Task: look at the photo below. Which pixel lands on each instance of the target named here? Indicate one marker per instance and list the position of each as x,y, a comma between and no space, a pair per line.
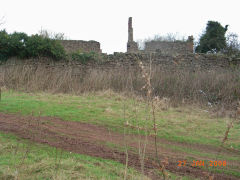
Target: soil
99,141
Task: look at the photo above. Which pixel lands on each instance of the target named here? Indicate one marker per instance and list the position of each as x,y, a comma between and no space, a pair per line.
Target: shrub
16,44
23,46
38,46
4,47
84,57
12,44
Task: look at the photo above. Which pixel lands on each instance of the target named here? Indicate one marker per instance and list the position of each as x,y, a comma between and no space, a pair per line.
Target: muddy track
91,140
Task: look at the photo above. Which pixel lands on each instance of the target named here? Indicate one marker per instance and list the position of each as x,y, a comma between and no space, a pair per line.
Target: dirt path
92,140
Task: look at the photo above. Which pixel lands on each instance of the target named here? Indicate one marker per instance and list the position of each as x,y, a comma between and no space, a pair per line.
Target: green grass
44,162
185,124
176,177
190,125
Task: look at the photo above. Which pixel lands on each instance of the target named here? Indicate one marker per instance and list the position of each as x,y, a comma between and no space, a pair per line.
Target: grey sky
106,20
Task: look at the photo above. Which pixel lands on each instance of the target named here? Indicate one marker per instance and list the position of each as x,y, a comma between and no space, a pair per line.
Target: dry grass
209,87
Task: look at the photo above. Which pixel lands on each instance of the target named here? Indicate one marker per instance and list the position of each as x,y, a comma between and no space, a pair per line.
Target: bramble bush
24,46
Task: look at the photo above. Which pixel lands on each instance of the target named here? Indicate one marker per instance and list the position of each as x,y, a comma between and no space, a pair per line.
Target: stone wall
188,62
191,62
83,46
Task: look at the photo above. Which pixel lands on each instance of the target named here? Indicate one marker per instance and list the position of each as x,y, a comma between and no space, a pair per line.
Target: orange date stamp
202,163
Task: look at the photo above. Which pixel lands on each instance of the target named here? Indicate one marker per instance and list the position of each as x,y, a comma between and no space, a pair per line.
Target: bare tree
233,44
52,35
170,37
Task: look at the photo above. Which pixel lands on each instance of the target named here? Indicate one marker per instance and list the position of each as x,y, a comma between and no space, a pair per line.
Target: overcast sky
106,21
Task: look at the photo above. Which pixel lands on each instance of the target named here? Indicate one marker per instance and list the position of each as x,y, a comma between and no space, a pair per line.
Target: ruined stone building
174,48
163,47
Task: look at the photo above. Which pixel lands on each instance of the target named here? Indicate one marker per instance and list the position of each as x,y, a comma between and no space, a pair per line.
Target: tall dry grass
213,87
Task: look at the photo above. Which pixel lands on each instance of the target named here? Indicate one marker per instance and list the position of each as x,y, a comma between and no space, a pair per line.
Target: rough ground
98,141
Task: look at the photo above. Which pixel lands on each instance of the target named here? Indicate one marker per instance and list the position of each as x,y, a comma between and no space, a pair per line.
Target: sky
106,21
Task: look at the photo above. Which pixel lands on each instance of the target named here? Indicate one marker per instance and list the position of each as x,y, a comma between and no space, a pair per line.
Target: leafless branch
2,21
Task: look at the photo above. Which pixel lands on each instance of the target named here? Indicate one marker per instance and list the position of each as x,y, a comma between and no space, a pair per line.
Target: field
108,135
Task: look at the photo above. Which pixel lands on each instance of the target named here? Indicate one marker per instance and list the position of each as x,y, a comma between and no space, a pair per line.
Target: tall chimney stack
131,45
130,30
